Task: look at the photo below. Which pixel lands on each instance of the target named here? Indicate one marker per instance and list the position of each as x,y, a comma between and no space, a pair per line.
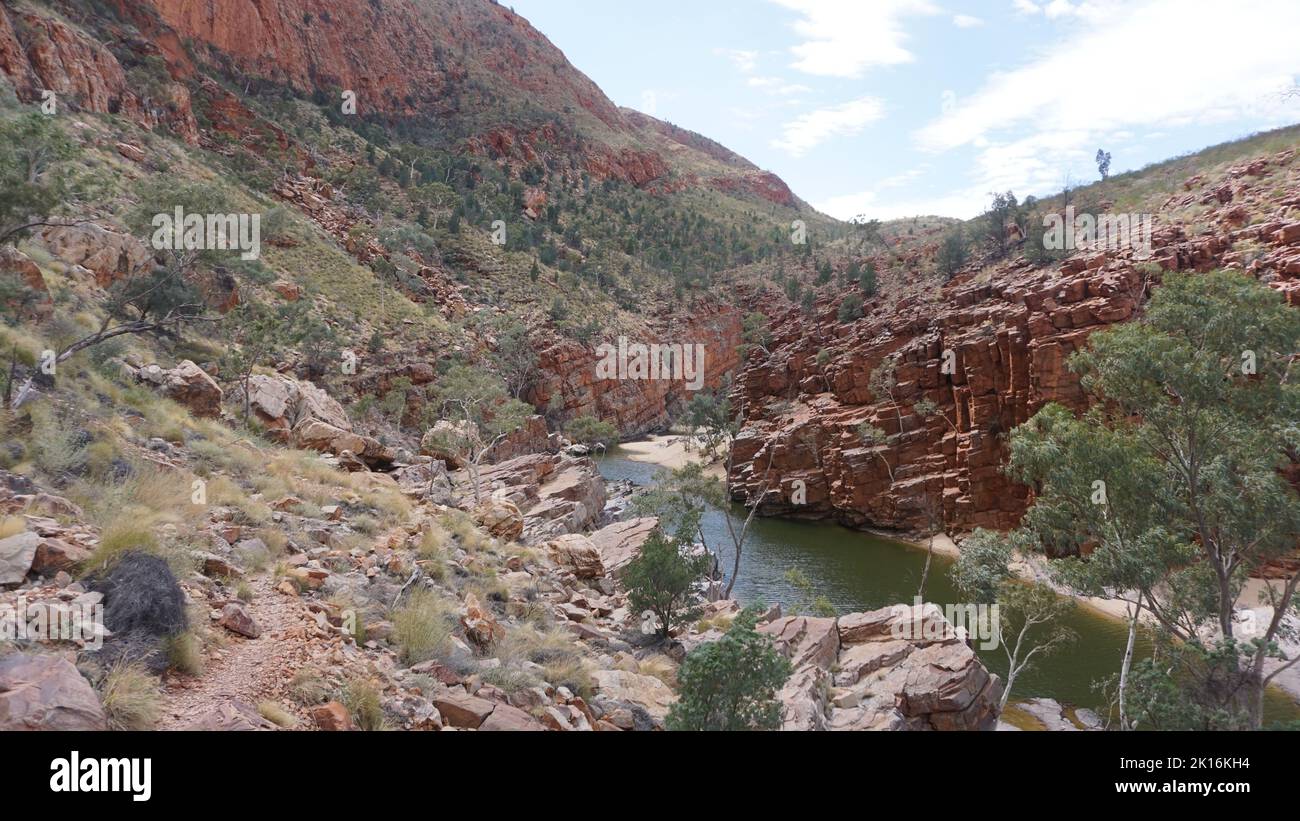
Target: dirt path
247,670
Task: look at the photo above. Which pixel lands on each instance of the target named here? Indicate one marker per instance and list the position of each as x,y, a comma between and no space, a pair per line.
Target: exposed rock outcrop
299,413
637,406
556,494
40,52
899,668
187,384
985,355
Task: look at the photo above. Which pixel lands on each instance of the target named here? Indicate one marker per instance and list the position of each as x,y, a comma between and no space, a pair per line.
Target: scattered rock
236,618
231,716
332,717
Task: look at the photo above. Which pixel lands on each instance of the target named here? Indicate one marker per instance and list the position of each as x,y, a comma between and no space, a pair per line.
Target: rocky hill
945,370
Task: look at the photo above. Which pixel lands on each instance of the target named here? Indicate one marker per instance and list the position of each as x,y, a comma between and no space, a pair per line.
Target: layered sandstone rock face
899,668
408,58
42,53
987,354
570,374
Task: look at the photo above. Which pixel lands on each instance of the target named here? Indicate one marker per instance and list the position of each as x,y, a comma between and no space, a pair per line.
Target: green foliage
34,176
983,565
850,309
710,417
1159,687
588,430
813,603
756,330
158,294
731,684
1173,482
867,281
952,253
662,579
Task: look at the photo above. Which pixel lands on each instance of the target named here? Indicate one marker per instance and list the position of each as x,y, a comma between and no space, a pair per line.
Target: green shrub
731,684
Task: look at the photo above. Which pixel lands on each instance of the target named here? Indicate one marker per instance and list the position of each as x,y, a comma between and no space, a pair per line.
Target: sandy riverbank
672,452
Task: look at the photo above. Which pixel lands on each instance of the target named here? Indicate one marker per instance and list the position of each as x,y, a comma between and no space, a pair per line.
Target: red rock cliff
1010,338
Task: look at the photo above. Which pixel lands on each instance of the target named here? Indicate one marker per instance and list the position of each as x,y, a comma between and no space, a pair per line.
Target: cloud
745,61
1029,124
844,38
966,21
816,127
778,86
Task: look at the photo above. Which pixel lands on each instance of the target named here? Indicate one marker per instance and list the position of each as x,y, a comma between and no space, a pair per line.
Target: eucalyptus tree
1170,492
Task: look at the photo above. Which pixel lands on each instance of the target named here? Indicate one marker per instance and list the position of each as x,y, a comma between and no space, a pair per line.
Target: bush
142,596
588,430
662,580
362,700
952,254
731,684
850,308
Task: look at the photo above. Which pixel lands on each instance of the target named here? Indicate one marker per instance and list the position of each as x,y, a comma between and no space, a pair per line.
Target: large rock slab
16,556
186,384
46,692
646,692
620,543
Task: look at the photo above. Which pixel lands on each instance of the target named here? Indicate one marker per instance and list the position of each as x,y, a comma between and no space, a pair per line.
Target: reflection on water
859,572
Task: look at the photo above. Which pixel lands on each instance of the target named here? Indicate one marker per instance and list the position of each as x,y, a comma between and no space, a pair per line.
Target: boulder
313,434
501,519
281,402
332,717
236,618
460,709
186,384
53,555
16,556
36,304
578,554
45,692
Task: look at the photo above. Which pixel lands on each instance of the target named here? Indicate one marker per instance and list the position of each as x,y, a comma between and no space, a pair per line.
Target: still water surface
860,572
